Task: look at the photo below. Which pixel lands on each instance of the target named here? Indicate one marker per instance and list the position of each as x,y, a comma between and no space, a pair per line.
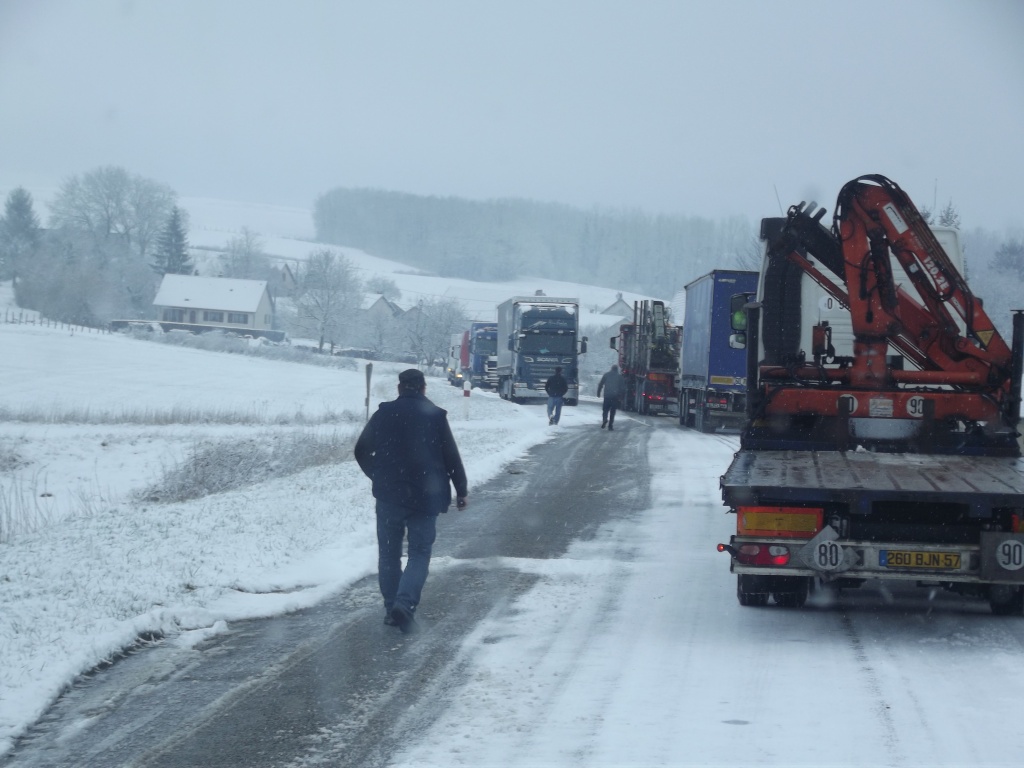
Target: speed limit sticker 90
1010,554
915,407
1002,556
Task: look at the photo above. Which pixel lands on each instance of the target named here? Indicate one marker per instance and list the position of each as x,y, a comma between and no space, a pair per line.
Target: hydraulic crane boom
962,370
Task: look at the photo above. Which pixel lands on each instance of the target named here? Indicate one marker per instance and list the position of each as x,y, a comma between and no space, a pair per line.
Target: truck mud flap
1002,557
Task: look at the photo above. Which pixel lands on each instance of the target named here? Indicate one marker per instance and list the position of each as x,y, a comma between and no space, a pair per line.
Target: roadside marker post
467,387
369,373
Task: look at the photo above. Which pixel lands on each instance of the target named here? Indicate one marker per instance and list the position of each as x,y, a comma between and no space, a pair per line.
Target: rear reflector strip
792,522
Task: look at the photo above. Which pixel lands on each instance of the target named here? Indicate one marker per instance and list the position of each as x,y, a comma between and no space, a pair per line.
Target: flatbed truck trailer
847,517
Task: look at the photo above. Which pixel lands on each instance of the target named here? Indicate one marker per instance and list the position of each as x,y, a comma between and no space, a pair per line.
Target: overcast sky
711,109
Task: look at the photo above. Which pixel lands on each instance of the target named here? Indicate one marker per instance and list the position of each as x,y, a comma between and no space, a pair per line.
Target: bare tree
328,296
1010,258
110,203
429,327
751,256
245,257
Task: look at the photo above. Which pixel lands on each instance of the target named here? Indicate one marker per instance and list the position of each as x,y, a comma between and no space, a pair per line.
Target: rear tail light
762,554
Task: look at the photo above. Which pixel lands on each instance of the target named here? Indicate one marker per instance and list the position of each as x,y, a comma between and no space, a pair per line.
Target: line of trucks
515,356
690,371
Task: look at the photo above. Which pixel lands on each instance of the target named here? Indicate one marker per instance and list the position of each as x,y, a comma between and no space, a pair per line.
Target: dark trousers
393,522
608,408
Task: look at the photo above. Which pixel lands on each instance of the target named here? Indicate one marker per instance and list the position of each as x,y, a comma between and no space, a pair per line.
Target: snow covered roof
371,299
226,293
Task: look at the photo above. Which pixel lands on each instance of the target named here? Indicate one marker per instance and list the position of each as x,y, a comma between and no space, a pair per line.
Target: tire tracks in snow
873,683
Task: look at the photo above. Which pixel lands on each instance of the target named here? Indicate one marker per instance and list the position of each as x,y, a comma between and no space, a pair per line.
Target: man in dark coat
556,387
408,451
614,386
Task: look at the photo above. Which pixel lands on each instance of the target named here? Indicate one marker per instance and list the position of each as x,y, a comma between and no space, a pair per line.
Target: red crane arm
873,217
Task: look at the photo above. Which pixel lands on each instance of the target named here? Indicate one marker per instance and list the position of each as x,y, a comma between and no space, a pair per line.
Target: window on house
240,318
174,315
213,317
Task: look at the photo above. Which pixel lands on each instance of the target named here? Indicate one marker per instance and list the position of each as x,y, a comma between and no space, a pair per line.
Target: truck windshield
548,344
485,346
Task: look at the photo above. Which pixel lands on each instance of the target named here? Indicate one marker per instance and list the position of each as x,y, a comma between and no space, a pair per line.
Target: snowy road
577,618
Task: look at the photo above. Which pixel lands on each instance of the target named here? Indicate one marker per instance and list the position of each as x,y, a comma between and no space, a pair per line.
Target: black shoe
602,425
388,621
404,620
610,427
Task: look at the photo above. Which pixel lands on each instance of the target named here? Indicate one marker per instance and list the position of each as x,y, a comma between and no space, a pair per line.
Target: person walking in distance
408,451
613,385
556,387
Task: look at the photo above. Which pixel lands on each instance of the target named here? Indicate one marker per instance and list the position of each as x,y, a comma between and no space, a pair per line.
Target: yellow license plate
935,561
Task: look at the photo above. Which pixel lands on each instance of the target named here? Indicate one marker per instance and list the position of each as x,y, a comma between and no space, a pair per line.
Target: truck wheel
1006,600
745,594
795,597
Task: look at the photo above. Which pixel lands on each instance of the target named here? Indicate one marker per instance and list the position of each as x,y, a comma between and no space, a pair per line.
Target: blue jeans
608,408
554,408
393,521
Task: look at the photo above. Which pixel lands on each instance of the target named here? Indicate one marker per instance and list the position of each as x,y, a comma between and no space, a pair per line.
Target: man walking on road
408,451
613,386
556,387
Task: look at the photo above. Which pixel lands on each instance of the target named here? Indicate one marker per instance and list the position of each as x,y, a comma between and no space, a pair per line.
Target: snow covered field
100,569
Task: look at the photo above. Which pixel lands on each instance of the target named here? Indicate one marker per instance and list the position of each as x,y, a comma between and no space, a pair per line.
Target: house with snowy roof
215,303
621,308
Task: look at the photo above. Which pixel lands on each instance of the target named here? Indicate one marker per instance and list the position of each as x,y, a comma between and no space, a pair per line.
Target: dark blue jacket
556,385
408,451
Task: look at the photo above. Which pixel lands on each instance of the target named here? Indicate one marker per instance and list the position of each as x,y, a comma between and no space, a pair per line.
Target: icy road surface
583,618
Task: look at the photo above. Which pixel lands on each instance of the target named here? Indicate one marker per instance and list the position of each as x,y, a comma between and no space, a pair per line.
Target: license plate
934,561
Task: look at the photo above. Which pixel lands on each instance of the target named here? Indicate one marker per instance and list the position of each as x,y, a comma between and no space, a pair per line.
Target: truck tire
684,407
795,597
746,594
699,413
1006,600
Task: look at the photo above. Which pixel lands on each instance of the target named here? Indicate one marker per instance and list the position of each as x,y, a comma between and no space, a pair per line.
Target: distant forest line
499,240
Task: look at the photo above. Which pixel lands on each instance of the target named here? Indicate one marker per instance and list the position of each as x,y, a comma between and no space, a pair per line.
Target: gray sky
681,107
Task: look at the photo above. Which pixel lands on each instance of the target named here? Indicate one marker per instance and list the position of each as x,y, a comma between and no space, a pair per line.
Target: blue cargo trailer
713,384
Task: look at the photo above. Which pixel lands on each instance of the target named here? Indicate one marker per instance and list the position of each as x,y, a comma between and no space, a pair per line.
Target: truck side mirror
512,343
611,341
737,313
583,346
